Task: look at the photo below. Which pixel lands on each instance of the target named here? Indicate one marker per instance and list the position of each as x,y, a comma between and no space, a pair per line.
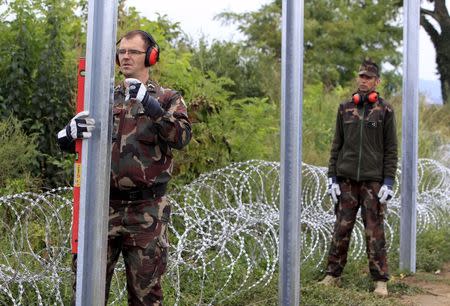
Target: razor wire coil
223,223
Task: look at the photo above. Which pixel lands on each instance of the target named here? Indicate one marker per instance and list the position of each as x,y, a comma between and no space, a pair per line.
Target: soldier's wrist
388,181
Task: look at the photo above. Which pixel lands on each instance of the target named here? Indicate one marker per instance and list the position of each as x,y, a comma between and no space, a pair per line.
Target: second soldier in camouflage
361,172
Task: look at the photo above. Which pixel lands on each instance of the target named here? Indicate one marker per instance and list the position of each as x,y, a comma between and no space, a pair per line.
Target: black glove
138,91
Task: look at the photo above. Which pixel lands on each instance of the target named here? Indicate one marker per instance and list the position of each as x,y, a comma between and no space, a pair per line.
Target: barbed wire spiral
224,233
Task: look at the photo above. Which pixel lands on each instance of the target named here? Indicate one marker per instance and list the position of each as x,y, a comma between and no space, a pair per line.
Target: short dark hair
149,42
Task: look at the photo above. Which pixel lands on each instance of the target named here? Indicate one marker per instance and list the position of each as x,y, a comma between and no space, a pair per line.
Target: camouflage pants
138,230
354,195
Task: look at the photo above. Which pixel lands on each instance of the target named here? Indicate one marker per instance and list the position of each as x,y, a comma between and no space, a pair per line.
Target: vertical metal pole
291,149
96,160
410,122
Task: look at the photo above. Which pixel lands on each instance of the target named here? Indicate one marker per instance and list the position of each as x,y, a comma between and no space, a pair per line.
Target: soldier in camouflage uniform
361,173
148,122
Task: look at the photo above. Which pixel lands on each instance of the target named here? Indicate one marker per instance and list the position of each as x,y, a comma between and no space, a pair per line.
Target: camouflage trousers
138,230
353,196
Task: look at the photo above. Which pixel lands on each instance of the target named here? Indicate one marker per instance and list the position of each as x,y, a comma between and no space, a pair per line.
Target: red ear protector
371,97
152,52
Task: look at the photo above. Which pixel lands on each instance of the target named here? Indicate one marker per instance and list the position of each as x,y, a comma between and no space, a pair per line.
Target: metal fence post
291,152
410,122
96,159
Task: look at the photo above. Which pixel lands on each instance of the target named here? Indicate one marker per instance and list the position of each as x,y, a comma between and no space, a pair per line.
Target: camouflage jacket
141,153
365,142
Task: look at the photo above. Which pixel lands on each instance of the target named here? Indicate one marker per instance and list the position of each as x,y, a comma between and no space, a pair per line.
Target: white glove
135,94
79,127
137,90
333,189
385,194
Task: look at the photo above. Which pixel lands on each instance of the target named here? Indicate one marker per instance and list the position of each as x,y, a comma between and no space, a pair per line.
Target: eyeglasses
131,52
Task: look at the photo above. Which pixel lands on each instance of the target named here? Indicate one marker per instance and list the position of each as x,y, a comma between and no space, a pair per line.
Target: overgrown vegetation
232,88
18,154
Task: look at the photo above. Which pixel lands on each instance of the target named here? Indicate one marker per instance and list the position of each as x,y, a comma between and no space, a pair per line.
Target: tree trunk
441,42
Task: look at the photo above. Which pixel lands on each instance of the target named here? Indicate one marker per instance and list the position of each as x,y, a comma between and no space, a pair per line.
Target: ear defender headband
371,97
152,52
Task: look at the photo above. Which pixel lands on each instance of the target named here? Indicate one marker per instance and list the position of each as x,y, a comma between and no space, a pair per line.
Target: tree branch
441,12
427,12
428,27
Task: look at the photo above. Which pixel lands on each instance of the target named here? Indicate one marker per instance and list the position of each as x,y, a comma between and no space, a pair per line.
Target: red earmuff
151,54
356,98
371,97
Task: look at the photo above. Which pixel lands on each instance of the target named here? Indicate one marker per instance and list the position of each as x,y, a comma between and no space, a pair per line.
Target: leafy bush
433,249
18,153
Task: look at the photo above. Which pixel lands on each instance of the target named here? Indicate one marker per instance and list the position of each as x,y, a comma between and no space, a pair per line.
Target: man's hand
79,127
131,83
333,189
138,91
385,193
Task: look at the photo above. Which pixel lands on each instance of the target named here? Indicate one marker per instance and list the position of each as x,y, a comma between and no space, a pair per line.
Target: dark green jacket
365,142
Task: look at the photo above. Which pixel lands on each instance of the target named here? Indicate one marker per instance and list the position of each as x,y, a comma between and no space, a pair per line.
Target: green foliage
332,54
250,128
236,131
232,89
433,249
319,117
18,154
37,73
337,36
434,129
262,27
233,61
26,183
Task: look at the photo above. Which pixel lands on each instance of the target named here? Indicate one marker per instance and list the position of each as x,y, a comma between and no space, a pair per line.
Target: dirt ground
435,286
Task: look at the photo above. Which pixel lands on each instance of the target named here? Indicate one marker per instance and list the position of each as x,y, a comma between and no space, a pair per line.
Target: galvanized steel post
410,122
96,159
291,152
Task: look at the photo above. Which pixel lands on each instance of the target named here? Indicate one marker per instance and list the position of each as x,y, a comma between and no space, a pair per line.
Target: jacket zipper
361,125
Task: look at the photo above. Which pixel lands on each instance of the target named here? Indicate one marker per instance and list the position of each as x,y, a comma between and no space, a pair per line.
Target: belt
137,194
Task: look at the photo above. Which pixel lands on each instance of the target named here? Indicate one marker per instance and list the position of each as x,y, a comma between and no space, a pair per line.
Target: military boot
381,288
329,281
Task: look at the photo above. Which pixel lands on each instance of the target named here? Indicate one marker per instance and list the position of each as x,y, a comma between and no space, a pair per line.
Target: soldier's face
132,63
367,83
